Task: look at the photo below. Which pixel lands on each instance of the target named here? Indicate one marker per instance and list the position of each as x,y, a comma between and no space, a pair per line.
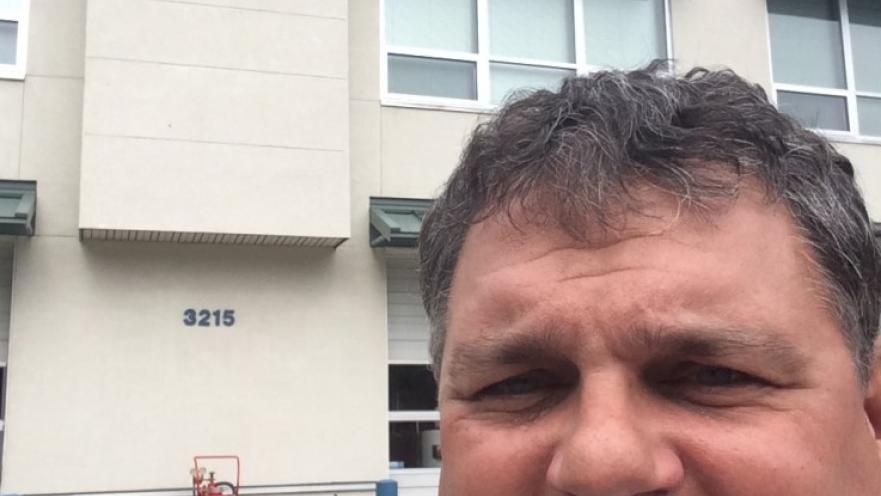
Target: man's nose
609,447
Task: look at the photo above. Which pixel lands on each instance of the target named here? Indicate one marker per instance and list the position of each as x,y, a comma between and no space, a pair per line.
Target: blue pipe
387,487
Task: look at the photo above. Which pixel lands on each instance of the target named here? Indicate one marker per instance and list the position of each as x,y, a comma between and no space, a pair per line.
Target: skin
675,357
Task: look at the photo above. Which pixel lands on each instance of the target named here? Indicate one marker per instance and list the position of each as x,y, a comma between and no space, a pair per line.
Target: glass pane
11,5
806,42
414,444
815,111
506,78
8,45
865,34
432,77
624,33
438,24
542,30
411,387
869,110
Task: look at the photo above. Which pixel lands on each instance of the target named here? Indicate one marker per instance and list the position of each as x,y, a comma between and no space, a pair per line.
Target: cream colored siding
50,149
216,135
111,390
723,33
236,204
420,148
186,33
57,39
10,127
314,8
408,326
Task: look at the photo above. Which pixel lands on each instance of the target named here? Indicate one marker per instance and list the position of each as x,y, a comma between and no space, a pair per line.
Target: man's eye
711,385
692,375
721,377
531,382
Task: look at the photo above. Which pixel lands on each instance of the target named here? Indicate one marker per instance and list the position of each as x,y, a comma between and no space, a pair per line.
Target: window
413,417
827,64
414,438
474,53
13,38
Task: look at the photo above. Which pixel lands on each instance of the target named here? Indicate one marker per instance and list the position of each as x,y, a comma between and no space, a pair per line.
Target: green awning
396,221
18,207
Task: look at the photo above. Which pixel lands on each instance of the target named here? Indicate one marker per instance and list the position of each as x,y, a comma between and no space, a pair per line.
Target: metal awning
396,221
18,207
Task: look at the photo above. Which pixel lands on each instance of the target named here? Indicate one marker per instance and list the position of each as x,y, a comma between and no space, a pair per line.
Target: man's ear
873,394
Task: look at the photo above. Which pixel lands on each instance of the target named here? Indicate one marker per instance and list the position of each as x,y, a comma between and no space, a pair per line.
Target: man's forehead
751,250
520,234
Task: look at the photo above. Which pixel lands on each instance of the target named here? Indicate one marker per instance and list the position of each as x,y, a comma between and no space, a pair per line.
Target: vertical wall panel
408,326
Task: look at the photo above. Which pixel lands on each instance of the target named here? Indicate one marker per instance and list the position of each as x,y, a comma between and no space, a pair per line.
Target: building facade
227,193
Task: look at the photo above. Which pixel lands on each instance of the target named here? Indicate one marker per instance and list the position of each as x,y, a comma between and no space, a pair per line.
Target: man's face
683,357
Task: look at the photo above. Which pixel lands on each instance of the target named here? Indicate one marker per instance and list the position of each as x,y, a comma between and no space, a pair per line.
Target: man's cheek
768,459
481,459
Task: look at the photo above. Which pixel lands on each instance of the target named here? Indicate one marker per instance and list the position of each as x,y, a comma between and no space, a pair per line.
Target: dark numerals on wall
209,318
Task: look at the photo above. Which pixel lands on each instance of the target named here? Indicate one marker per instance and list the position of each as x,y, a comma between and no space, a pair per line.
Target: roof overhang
18,207
395,222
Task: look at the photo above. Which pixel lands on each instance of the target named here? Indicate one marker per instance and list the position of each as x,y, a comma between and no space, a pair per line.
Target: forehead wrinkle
556,239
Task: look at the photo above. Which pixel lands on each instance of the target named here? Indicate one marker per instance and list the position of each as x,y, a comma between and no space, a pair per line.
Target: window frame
850,92
397,416
483,60
406,416
17,70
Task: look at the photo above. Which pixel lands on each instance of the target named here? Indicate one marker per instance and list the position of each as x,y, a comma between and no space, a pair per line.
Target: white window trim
412,415
398,416
416,479
408,362
482,60
849,92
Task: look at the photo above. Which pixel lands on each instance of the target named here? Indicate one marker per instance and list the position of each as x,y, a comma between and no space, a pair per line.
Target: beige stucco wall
233,118
111,390
420,148
722,33
106,385
10,127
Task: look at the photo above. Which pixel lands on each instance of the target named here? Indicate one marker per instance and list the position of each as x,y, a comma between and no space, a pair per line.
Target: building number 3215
209,318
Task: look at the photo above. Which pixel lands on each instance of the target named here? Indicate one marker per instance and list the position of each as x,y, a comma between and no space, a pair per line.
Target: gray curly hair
580,152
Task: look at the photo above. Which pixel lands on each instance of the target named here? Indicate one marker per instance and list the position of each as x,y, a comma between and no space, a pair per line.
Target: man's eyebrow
513,347
485,353
719,342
